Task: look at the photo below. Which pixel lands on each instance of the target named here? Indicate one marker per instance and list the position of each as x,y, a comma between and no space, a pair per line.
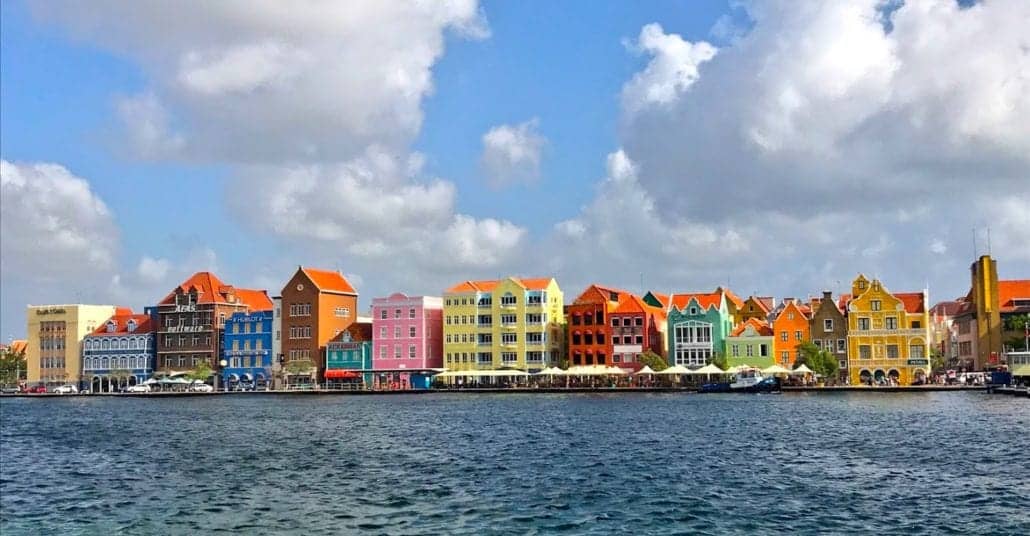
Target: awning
234,378
340,374
247,377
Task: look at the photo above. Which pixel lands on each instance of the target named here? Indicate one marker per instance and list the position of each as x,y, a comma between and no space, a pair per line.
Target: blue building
348,362
247,354
120,352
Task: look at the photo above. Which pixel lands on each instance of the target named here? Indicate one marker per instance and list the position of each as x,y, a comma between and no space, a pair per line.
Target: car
66,390
9,390
201,387
140,388
36,389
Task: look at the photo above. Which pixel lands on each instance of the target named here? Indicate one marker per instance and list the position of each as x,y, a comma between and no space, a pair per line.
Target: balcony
887,333
484,305
509,325
485,344
534,304
510,344
535,343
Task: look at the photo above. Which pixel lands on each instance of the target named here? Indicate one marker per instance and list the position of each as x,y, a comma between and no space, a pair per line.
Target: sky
775,147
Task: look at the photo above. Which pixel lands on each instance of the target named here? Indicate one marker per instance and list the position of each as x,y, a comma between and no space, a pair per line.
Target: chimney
827,295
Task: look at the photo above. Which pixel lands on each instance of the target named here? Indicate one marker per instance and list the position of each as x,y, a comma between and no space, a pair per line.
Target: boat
748,380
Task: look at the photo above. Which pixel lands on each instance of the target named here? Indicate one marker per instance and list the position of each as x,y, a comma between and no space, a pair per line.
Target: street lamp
222,364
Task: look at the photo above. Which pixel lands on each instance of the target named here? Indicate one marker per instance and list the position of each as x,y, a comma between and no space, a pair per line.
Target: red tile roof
359,332
760,326
947,308
764,303
913,301
1011,290
331,281
256,300
539,283
599,294
843,301
121,320
210,289
705,300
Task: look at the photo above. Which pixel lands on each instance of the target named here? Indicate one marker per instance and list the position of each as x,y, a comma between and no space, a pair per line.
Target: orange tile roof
210,289
764,303
19,346
1010,290
913,301
595,292
329,280
843,301
732,297
705,300
359,332
662,298
121,320
539,283
760,326
256,300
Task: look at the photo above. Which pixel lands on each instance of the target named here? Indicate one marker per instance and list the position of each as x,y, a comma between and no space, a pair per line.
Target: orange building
757,307
790,326
316,306
612,327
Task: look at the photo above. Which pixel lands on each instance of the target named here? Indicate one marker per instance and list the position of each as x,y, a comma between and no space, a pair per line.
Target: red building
612,327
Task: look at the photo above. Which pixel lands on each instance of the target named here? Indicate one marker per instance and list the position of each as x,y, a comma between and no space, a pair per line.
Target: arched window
105,345
103,363
133,343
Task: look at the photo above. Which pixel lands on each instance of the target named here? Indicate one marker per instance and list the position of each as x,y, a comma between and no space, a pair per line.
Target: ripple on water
576,464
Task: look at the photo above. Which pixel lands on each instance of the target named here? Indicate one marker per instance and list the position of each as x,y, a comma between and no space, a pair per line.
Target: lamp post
222,365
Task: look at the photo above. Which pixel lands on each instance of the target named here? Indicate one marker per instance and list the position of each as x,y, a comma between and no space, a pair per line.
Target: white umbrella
616,371
645,370
674,370
710,369
802,370
775,369
551,371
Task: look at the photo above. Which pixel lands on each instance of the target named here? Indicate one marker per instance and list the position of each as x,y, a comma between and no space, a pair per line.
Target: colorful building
510,323
349,359
828,329
698,325
248,356
790,323
987,327
757,307
888,334
750,343
407,335
612,327
191,321
120,352
53,353
317,306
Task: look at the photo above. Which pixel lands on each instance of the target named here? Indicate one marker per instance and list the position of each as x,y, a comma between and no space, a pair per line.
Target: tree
653,360
937,361
718,360
299,366
822,362
1017,322
12,367
201,372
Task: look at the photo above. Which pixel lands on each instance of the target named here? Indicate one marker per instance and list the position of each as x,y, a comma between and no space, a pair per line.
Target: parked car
9,389
66,390
36,389
201,387
138,389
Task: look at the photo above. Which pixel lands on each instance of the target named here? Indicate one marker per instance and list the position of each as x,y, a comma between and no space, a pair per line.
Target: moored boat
748,380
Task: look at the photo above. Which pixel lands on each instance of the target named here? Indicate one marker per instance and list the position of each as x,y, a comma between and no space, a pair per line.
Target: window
447,320
735,350
790,315
797,335
640,339
576,320
382,313
693,310
864,352
448,338
784,336
842,345
763,350
508,299
750,350
874,305
535,318
577,338
486,320
915,351
588,338
892,351
509,357
509,338
382,332
892,322
588,319
411,351
638,321
917,324
411,313
396,332
534,338
827,324
485,357
397,351
486,339
534,357
818,343
382,352
446,302
615,322
508,319
396,313
863,324
342,312
784,356
411,332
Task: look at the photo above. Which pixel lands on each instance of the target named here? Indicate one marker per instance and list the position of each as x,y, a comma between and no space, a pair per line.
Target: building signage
51,311
918,362
185,308
184,329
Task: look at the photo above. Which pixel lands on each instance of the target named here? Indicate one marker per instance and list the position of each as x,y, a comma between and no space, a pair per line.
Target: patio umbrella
775,369
803,369
615,371
710,369
674,370
645,370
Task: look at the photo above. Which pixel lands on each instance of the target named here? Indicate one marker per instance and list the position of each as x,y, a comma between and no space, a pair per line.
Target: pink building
407,340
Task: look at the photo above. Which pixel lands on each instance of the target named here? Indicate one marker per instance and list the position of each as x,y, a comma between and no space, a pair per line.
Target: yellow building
888,334
503,324
55,332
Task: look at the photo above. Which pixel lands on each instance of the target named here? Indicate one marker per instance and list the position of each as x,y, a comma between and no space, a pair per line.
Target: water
929,463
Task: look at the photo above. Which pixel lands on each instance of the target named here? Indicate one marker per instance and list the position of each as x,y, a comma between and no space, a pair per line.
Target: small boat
745,381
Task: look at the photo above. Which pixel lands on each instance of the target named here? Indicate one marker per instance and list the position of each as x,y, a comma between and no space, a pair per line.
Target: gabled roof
209,288
760,326
359,332
1011,290
256,300
843,301
705,300
121,320
764,303
913,301
330,281
947,308
537,283
593,293
730,296
662,298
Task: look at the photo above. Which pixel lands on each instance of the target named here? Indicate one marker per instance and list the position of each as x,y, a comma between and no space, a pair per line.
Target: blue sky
697,143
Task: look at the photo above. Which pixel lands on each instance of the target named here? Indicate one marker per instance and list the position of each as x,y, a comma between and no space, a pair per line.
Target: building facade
191,321
790,324
407,335
120,352
750,343
757,307
248,354
53,353
697,328
828,329
612,327
503,324
317,305
349,360
277,341
888,334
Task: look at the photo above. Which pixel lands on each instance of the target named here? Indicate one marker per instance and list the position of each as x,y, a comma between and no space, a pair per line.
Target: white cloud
672,70
938,246
54,225
269,82
511,153
151,269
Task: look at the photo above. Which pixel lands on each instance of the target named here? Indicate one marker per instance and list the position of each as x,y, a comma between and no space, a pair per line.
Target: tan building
55,332
316,306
